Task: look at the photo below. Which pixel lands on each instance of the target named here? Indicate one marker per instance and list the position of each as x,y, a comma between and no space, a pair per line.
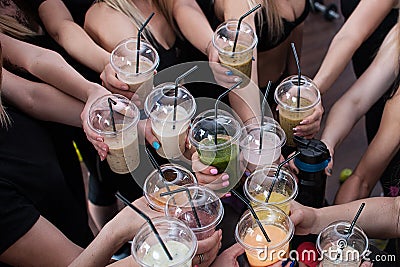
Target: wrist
208,47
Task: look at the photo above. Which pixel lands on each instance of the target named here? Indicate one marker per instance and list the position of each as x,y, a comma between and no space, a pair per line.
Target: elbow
42,57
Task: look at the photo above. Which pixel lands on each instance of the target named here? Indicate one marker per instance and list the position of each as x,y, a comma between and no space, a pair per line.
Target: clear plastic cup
338,248
280,230
225,155
175,175
208,208
257,185
123,155
241,58
273,139
290,115
178,238
123,60
170,131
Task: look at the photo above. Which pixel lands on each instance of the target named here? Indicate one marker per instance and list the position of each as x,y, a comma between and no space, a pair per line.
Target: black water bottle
313,159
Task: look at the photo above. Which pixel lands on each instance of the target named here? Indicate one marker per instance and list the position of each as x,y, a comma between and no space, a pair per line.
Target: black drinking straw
298,73
181,77
353,223
216,108
148,220
264,102
253,213
111,102
138,40
277,174
196,216
240,22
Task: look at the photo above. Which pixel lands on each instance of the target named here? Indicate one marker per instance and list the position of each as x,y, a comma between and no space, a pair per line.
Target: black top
32,183
365,54
264,41
168,57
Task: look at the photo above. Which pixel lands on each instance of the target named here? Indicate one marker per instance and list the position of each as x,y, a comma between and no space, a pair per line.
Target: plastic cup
272,141
258,250
208,207
338,250
286,96
178,238
257,185
123,155
225,155
159,106
154,185
123,61
223,40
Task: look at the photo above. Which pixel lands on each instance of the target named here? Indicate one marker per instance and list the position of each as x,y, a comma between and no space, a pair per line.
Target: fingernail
225,177
214,171
104,149
228,194
125,87
100,139
225,184
330,171
237,79
156,145
247,173
252,58
304,122
229,73
294,129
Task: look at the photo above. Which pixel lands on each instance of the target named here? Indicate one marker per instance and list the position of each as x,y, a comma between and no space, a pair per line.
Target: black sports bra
264,42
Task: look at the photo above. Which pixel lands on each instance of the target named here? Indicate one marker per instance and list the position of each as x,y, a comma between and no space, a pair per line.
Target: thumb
235,250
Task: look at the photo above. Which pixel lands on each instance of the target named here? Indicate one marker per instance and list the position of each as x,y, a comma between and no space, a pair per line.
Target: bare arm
59,23
310,220
363,94
361,24
380,152
41,101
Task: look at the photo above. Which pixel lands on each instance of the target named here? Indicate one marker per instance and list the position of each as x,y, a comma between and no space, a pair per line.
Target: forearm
81,47
246,101
370,219
355,187
100,251
41,101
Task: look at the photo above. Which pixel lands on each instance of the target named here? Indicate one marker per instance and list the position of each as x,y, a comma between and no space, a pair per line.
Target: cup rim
272,167
213,224
127,126
229,141
142,42
343,222
289,233
158,220
255,126
235,22
145,184
308,81
159,89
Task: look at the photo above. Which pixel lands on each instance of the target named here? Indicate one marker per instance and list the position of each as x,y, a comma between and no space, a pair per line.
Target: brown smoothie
241,61
289,119
123,154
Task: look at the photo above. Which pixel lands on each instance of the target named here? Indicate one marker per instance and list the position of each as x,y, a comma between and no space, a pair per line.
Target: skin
52,248
60,25
61,83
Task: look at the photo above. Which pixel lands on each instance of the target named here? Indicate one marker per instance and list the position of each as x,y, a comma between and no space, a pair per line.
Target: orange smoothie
255,238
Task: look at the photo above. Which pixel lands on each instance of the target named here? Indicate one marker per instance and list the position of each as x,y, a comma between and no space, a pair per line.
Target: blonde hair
274,20
11,27
4,119
128,8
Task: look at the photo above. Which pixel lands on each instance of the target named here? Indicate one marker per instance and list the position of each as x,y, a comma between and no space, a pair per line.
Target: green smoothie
241,60
224,158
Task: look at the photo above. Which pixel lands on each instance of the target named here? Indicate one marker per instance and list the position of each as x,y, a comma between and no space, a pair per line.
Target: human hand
329,168
144,127
208,175
96,139
223,75
207,250
310,126
304,218
229,256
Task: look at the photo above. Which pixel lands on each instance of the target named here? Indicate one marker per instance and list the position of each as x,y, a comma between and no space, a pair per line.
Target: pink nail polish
214,171
99,139
225,177
225,184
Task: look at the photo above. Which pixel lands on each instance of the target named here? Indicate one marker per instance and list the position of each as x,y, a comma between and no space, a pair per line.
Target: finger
208,248
329,168
366,264
235,250
109,77
296,215
150,137
198,166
